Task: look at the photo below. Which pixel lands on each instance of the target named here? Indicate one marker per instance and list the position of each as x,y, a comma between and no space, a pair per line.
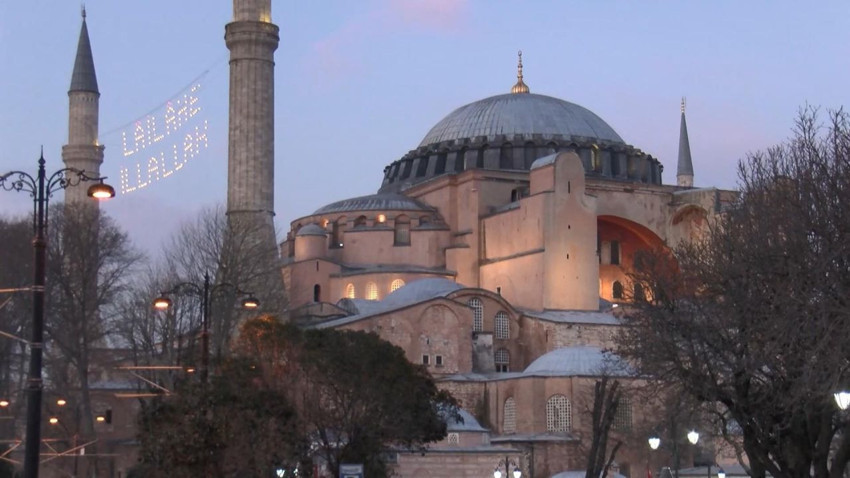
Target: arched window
529,154
509,416
477,314
479,160
623,415
617,290
349,291
503,360
402,231
615,253
371,291
422,167
360,222
595,158
317,293
501,327
640,295
440,167
506,157
459,160
396,285
558,411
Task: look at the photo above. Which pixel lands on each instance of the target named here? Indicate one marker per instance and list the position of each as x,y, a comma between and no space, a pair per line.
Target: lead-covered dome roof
374,202
508,132
521,114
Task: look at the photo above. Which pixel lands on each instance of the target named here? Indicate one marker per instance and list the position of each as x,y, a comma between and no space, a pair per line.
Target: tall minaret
82,151
685,170
252,40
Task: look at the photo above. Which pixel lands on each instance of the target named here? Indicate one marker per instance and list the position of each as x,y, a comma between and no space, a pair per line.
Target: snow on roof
575,316
577,361
582,474
420,291
412,293
468,424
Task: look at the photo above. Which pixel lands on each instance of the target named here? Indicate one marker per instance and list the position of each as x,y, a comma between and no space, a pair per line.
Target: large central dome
509,132
521,114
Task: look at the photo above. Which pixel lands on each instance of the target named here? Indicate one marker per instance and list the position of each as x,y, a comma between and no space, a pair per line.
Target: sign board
350,470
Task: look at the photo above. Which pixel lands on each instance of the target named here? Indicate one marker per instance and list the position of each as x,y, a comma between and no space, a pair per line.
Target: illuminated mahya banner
163,141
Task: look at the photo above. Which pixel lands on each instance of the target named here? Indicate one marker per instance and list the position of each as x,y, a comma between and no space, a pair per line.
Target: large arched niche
688,223
619,239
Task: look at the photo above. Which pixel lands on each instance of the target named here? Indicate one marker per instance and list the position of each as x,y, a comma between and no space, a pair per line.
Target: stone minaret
685,170
252,40
82,151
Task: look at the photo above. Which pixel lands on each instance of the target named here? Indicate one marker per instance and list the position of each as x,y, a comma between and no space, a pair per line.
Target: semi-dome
577,361
521,114
311,229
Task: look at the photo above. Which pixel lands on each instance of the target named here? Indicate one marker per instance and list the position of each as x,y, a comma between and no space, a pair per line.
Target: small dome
311,229
521,114
420,290
577,361
467,423
380,202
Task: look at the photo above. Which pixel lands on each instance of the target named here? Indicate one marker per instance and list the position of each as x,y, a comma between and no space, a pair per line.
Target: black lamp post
204,292
41,189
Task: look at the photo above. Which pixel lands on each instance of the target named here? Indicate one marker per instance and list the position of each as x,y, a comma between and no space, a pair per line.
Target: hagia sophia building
495,253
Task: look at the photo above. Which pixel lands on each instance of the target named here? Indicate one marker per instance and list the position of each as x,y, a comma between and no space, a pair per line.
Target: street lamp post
204,292
842,399
41,189
693,437
507,463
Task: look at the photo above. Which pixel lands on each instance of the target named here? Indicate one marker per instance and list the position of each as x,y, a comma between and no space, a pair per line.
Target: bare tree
15,314
90,261
235,260
232,252
754,321
606,398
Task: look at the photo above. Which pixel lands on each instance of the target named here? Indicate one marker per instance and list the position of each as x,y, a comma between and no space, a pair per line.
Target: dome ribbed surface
381,201
525,114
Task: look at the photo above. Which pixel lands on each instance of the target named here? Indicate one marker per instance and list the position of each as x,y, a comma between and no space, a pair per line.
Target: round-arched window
372,291
558,411
396,285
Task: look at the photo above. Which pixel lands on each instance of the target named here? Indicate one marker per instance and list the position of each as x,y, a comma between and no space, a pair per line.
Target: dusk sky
360,83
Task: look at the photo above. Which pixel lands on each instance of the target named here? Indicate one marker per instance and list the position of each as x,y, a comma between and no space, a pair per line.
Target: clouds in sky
339,55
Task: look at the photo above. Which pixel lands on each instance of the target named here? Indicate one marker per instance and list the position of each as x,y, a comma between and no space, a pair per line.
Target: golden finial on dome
519,87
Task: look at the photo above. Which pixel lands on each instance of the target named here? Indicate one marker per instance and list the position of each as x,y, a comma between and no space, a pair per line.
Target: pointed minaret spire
519,87
685,170
84,77
83,151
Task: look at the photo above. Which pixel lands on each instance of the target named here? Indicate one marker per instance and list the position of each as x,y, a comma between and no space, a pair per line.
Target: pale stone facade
498,261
